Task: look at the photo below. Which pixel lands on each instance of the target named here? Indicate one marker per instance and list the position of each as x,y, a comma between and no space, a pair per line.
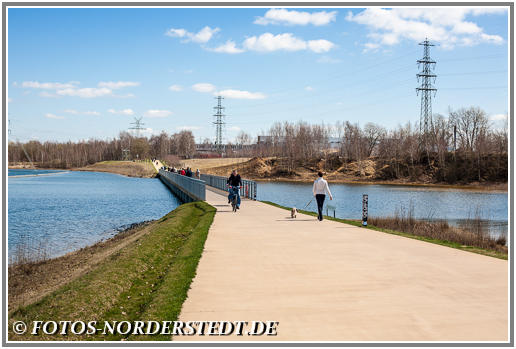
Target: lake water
29,172
454,206
64,211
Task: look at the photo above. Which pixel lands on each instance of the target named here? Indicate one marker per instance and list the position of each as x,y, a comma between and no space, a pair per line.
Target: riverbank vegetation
472,237
459,149
78,154
142,275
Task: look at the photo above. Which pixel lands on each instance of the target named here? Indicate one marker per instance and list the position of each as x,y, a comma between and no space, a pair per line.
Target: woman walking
320,188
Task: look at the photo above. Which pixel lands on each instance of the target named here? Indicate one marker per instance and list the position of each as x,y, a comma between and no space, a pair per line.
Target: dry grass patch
127,168
203,164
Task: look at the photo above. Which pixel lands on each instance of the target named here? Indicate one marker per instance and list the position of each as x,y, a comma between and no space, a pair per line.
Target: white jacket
321,187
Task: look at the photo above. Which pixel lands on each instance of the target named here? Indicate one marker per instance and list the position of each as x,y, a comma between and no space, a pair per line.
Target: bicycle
234,199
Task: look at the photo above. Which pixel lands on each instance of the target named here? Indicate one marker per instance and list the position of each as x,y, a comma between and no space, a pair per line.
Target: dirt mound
259,167
255,168
364,168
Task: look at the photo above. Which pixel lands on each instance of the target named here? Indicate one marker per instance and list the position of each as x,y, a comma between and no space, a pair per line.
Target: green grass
146,280
451,244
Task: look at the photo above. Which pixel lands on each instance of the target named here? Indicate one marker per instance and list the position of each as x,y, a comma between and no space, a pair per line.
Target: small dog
293,212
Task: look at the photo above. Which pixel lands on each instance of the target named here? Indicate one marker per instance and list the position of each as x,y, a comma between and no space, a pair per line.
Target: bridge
329,281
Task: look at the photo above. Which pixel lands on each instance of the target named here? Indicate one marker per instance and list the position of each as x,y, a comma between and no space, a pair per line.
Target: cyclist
234,182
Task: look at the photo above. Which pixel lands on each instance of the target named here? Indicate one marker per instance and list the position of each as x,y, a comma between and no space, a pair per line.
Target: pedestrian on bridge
320,189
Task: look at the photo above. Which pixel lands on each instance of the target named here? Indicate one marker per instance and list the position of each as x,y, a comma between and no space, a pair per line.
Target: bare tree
470,124
373,133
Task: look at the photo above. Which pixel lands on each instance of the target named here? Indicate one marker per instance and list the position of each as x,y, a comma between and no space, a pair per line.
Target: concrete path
158,165
328,281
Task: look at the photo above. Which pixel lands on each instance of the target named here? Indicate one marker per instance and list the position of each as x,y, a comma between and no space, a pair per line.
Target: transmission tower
137,126
219,123
426,76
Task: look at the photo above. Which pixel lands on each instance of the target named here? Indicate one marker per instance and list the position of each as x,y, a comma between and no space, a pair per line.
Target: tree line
125,147
462,146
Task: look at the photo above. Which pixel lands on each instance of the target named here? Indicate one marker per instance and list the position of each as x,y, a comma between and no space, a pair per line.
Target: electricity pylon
219,123
426,76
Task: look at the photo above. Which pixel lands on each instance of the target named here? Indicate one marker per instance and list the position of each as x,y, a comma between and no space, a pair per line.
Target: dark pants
320,202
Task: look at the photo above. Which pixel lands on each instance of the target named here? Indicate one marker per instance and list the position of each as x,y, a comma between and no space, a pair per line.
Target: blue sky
87,73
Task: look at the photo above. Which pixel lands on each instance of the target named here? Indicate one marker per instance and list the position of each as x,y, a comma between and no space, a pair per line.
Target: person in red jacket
182,172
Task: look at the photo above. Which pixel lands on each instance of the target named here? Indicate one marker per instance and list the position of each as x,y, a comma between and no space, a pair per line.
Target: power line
476,73
474,88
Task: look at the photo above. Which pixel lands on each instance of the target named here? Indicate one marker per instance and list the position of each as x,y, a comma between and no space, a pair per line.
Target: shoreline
475,186
491,187
145,271
97,167
53,272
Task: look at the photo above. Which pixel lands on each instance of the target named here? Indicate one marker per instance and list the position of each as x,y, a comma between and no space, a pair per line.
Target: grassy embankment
423,231
147,279
126,168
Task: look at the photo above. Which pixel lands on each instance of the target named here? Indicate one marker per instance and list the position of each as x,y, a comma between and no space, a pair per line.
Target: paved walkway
328,281
158,165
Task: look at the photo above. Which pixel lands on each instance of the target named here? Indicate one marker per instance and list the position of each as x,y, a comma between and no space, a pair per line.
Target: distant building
210,148
333,142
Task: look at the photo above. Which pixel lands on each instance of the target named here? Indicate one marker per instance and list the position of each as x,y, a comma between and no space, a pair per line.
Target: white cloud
121,112
203,87
113,85
321,45
147,130
9,100
498,117
187,128
176,33
75,112
228,47
71,88
52,116
268,42
48,94
96,113
309,88
238,94
155,113
447,26
48,85
370,46
88,92
176,88
202,36
234,128
282,16
127,95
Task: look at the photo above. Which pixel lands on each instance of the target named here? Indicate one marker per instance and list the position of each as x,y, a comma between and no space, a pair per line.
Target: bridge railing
186,188
247,190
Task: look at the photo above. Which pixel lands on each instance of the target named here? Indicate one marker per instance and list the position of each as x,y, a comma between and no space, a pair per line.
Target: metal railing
247,190
188,189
